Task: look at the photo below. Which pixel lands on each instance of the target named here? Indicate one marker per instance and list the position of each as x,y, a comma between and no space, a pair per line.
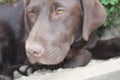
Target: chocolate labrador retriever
55,32
58,25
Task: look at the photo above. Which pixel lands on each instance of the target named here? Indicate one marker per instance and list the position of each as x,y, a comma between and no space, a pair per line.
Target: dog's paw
23,71
2,77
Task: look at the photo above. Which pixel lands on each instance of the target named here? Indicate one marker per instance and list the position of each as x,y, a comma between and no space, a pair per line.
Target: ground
95,70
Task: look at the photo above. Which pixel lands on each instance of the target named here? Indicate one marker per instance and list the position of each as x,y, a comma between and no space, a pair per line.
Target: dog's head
56,24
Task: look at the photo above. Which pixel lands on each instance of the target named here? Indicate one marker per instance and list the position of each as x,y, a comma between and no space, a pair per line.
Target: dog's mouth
50,56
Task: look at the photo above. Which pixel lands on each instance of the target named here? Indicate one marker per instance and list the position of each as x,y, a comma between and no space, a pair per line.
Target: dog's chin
49,62
45,61
48,58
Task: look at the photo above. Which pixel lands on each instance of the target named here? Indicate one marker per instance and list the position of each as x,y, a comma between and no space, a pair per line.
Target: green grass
3,1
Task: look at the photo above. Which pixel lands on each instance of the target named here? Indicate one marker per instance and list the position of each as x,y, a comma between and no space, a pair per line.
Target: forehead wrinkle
35,2
52,1
68,4
65,3
39,3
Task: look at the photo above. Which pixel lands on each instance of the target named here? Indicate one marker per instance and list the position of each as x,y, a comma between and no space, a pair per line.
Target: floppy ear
94,17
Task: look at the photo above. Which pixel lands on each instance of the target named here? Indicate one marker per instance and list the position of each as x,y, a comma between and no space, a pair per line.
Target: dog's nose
34,50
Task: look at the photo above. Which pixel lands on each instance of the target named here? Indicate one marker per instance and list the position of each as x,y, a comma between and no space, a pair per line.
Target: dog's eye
31,15
30,12
60,11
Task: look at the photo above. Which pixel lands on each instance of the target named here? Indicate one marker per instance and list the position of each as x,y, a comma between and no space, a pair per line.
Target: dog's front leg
16,72
81,59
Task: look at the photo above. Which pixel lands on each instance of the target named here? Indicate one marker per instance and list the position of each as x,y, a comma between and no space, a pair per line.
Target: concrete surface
95,70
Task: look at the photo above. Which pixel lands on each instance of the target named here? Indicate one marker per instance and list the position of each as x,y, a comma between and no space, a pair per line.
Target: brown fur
61,34
54,38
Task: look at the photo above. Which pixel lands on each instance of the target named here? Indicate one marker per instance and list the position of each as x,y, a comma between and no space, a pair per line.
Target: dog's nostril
35,50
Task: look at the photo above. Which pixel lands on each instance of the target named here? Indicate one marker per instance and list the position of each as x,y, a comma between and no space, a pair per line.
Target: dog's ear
94,16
